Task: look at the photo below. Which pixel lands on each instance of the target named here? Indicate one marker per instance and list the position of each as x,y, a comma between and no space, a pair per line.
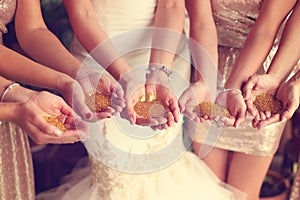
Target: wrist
16,93
14,111
64,83
159,73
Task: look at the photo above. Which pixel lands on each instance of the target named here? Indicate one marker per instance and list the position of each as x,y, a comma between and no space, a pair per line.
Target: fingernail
58,132
88,116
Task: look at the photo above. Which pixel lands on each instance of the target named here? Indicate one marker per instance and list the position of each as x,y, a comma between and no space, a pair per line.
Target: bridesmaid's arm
288,52
41,44
90,34
259,41
16,67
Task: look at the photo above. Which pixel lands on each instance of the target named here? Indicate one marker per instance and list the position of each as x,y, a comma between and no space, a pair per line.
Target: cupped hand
258,84
30,117
159,85
196,93
289,94
133,89
91,80
233,100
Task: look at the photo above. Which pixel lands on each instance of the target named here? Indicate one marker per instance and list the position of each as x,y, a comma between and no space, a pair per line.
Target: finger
228,121
240,118
174,108
145,122
291,107
262,116
247,89
183,101
46,127
268,114
84,111
103,115
170,119
118,93
275,118
251,108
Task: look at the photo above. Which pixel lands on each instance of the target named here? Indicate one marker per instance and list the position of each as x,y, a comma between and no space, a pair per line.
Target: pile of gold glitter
150,106
56,121
268,102
96,100
211,109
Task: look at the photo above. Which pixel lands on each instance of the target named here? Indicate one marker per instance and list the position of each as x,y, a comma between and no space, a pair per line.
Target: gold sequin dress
233,19
16,171
132,162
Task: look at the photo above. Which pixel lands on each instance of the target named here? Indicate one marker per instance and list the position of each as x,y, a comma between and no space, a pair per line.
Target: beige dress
233,20
16,171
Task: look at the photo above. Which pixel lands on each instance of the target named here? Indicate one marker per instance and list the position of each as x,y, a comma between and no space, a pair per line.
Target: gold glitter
267,102
211,109
96,100
150,106
56,121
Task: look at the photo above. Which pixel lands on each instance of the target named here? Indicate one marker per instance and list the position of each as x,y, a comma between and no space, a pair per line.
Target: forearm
167,36
288,52
8,110
46,49
204,41
93,38
259,42
16,67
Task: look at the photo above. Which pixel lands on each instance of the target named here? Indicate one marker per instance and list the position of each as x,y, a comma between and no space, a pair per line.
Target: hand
89,80
158,85
133,90
233,100
259,84
29,116
289,94
196,93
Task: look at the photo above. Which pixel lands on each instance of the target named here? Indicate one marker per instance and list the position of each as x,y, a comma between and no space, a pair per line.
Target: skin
33,35
282,64
91,35
26,108
256,47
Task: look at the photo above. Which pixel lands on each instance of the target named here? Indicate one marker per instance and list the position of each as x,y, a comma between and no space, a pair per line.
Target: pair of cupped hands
240,102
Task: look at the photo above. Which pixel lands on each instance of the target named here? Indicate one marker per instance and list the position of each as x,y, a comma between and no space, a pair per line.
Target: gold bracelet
9,87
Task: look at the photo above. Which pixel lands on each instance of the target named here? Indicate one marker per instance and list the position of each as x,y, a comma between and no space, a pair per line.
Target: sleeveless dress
132,162
17,181
233,20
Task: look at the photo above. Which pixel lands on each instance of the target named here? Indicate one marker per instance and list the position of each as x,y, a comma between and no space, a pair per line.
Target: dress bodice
233,19
117,16
7,11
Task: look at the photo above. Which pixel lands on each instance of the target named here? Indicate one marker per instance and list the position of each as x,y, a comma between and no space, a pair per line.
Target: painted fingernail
88,116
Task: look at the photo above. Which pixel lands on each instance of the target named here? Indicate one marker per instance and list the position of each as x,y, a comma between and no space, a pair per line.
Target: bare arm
35,38
259,41
16,67
169,18
91,35
288,52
